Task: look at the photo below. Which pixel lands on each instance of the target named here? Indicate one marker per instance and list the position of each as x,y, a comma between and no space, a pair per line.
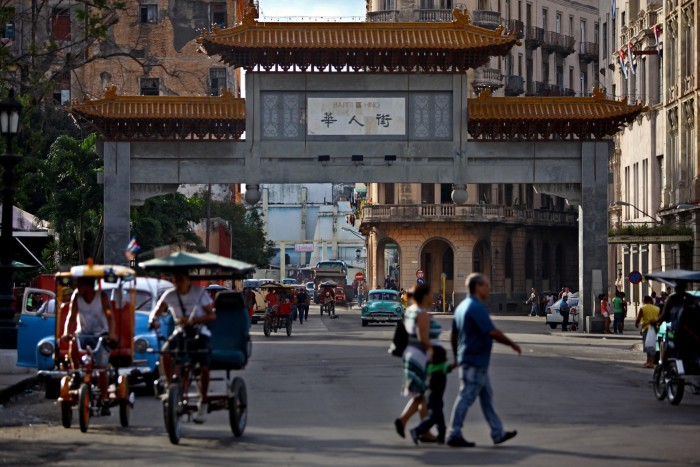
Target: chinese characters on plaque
356,116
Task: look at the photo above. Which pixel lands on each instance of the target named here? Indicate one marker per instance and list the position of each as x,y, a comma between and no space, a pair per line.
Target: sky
309,8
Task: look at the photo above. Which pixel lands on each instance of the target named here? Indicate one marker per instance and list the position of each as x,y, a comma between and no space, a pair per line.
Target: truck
336,271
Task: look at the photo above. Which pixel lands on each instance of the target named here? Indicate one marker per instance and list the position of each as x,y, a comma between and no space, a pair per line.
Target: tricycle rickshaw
80,385
281,315
680,352
326,298
230,346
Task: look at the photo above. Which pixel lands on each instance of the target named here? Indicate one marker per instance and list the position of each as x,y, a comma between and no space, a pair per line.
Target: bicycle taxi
79,386
230,346
280,315
680,351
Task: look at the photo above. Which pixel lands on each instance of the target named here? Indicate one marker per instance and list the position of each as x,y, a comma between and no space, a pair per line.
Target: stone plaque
356,116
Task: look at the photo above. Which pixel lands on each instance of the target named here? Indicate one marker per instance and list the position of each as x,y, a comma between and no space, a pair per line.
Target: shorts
199,343
606,315
102,355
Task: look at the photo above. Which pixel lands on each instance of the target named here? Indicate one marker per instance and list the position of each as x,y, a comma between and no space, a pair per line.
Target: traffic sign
420,281
359,277
635,277
420,274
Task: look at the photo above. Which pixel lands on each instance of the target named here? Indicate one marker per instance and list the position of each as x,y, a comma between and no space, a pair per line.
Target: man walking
303,305
473,333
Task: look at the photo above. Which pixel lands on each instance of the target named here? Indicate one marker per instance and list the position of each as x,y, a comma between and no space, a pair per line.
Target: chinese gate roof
163,117
543,118
438,47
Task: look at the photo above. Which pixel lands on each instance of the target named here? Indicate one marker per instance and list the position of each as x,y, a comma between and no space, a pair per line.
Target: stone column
283,264
117,200
593,225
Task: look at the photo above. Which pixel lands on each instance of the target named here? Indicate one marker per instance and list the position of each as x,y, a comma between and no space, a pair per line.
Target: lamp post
9,126
625,203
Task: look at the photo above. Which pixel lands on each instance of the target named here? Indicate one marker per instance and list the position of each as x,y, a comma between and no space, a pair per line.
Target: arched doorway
388,263
481,258
437,258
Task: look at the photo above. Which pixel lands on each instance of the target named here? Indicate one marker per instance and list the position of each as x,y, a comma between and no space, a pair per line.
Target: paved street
328,396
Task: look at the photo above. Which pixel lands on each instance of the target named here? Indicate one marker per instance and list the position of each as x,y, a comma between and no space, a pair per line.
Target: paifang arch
359,102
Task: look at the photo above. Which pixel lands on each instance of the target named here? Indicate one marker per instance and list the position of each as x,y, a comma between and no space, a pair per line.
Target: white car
554,318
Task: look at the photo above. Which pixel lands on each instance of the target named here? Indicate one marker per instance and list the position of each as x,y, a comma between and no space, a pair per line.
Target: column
283,263
117,199
593,226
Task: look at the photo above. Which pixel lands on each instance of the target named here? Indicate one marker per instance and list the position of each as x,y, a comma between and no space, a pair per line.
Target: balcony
534,88
516,26
534,37
386,16
558,43
433,16
487,78
515,85
588,51
487,19
465,213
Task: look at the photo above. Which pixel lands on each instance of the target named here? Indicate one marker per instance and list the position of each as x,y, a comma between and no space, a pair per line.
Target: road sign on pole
420,274
360,276
635,277
420,281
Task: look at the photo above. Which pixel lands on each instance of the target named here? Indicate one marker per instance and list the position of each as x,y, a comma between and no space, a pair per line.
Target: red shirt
271,299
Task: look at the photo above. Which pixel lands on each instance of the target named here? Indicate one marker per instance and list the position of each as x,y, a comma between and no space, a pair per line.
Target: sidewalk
13,379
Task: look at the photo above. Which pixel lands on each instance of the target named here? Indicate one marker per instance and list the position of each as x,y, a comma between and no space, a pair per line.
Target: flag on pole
623,62
132,249
630,58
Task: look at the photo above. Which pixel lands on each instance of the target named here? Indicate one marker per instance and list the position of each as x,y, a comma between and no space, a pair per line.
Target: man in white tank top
93,316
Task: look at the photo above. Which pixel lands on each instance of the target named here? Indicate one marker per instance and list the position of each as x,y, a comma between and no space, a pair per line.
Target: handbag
650,340
400,340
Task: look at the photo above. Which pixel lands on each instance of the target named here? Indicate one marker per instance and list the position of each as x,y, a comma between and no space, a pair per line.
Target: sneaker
399,428
441,438
202,410
460,443
105,409
506,436
414,436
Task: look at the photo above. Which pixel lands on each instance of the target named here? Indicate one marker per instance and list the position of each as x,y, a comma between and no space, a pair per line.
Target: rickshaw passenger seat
230,332
124,329
285,309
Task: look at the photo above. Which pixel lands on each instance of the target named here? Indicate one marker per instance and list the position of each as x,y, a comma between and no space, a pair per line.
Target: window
545,71
508,195
528,15
509,260
427,193
520,10
389,193
571,78
508,9
446,193
560,77
520,65
150,86
557,24
7,23
583,31
645,185
571,26
484,193
483,5
105,79
426,4
627,192
529,261
218,14
584,83
60,25
688,55
217,80
544,19
149,13
386,5
606,52
635,185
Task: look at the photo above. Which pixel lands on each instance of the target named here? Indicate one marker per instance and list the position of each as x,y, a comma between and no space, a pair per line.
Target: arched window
448,264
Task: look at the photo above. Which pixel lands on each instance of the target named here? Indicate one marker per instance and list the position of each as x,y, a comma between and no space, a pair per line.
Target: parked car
310,290
289,281
36,330
382,306
553,317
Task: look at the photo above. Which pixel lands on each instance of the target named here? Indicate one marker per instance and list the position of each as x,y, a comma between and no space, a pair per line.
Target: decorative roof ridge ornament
111,91
250,15
461,17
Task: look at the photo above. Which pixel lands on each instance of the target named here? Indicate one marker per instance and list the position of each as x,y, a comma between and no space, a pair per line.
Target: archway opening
481,258
388,265
437,259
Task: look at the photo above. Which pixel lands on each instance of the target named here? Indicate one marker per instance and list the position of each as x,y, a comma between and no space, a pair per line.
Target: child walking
437,372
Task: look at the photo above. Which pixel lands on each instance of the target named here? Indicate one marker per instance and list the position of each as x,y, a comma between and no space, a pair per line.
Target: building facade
649,54
518,237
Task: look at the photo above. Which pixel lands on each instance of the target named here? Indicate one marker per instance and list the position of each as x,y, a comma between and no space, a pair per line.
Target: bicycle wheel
173,413
66,414
238,407
267,327
84,401
659,383
675,386
289,326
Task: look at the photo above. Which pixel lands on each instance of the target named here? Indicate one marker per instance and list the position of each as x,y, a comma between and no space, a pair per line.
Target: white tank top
91,317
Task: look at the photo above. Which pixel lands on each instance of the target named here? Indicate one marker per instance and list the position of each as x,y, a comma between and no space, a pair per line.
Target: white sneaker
202,410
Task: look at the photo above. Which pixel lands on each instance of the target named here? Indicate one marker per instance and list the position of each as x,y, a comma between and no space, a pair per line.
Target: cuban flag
623,62
132,249
630,58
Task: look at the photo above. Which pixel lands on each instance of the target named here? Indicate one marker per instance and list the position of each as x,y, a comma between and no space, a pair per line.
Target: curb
10,391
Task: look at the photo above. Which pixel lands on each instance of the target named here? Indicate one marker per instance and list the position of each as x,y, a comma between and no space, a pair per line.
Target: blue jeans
474,383
359,300
617,322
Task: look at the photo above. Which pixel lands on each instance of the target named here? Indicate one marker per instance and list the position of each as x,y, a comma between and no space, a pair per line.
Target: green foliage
166,220
67,180
650,230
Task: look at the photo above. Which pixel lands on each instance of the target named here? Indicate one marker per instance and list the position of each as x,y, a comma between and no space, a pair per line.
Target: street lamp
625,203
358,235
10,111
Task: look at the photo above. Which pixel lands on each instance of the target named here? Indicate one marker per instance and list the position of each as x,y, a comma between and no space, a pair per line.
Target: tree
74,207
166,220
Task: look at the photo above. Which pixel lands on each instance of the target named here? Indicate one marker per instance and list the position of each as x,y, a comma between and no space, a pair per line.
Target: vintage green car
382,306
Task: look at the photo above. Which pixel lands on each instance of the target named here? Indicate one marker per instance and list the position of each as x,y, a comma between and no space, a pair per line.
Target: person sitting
93,315
191,307
271,300
328,296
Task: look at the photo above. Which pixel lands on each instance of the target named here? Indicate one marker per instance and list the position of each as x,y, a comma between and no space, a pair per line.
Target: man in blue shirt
473,333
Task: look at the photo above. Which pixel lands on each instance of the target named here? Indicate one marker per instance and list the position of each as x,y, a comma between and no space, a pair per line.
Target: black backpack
400,340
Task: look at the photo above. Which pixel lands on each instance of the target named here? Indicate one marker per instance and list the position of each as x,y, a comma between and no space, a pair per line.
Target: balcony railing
465,213
559,43
516,26
386,16
433,16
487,78
534,37
515,85
588,51
487,19
534,88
